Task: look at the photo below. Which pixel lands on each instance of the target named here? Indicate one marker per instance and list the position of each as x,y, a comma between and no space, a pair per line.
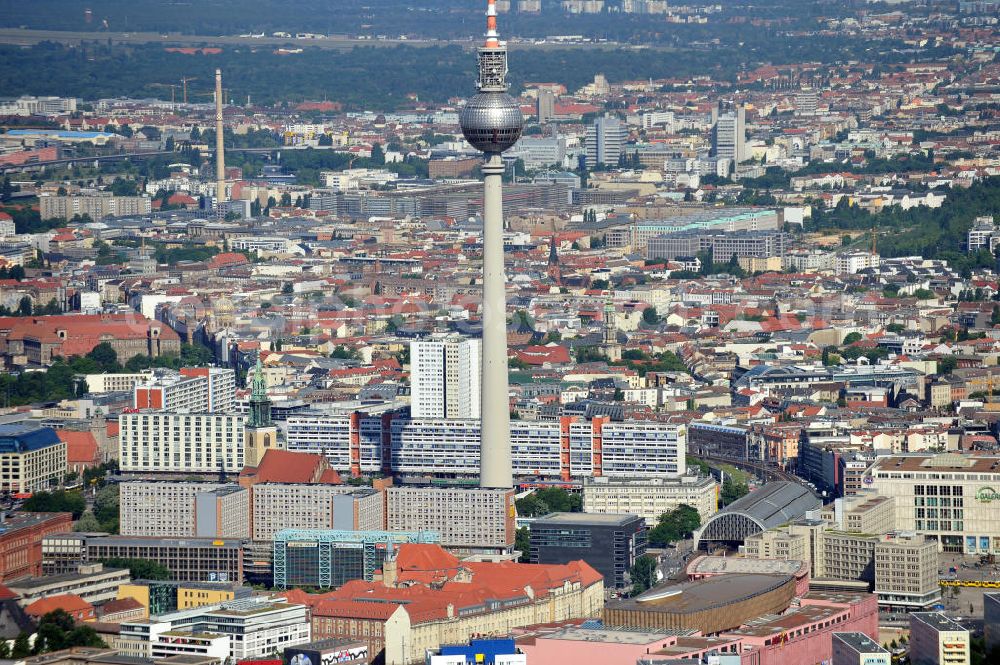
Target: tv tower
220,157
492,122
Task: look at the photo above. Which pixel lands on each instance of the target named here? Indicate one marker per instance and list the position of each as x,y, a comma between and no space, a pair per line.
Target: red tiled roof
68,601
286,466
81,447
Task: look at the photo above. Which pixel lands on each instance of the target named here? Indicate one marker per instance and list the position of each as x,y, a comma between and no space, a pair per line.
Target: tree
522,542
169,144
995,315
105,356
532,506
732,490
650,316
106,507
947,365
675,525
88,523
852,338
140,569
57,630
24,307
22,646
378,155
59,501
643,574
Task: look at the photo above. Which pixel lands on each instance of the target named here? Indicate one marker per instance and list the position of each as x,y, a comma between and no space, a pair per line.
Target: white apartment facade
191,390
445,377
152,441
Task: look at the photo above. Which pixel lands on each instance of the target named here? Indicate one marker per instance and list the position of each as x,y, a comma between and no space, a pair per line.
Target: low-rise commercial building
651,497
247,628
93,583
163,596
188,559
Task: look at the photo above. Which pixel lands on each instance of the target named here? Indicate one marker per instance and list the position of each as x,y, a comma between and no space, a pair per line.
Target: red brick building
21,542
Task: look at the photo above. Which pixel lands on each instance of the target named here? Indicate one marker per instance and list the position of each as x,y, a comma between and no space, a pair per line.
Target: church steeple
260,434
260,404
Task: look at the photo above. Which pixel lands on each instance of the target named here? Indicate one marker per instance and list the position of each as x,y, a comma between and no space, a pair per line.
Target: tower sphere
491,121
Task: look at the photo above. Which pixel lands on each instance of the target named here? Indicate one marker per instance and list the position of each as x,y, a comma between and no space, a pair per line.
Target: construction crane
173,89
184,82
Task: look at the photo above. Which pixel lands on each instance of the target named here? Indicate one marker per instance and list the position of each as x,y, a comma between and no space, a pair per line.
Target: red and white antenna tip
492,39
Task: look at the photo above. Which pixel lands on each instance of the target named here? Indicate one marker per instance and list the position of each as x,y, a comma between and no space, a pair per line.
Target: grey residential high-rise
605,141
729,133
546,106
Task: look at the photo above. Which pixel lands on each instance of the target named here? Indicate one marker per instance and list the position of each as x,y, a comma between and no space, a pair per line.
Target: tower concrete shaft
220,157
495,458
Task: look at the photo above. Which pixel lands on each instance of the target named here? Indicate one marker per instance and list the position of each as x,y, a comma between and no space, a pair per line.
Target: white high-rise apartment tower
605,141
729,131
445,377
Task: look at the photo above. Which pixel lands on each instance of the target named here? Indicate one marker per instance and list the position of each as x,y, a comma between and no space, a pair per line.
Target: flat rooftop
602,519
699,595
29,583
860,642
729,564
610,636
938,621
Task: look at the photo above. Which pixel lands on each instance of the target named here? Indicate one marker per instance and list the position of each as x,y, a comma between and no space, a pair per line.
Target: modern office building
858,649
152,441
31,458
279,506
247,628
712,440
445,378
183,509
329,558
651,497
387,444
949,497
605,141
472,520
936,639
729,133
610,543
189,390
188,560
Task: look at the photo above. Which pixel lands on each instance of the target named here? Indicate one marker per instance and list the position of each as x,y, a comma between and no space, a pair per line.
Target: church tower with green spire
260,434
